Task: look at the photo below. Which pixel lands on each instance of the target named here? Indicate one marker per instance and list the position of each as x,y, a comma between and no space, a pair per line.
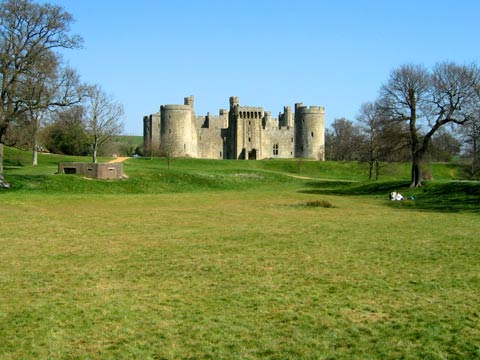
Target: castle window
292,139
249,139
275,149
312,133
169,131
220,154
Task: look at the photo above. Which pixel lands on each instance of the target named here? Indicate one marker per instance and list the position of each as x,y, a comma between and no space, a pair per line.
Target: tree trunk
94,154
474,158
377,170
416,179
3,183
35,152
370,170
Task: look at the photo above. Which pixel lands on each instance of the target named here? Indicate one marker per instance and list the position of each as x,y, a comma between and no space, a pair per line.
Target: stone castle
243,132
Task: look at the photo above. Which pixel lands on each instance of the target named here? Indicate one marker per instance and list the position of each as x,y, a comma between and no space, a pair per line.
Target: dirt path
119,159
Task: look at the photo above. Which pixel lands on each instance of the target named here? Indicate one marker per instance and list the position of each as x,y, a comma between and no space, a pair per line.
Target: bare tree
382,140
343,141
428,100
49,85
445,145
370,128
169,151
29,35
470,133
103,118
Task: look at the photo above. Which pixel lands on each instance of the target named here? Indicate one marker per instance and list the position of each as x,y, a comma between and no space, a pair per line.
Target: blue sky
270,53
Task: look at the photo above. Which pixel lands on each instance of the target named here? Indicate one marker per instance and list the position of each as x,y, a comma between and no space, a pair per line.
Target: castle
243,132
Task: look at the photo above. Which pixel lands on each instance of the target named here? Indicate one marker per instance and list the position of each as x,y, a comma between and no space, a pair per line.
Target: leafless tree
30,33
370,128
470,133
427,100
54,86
103,118
381,139
169,151
342,141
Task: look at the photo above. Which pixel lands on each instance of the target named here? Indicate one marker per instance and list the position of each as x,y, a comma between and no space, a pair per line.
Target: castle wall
210,142
278,142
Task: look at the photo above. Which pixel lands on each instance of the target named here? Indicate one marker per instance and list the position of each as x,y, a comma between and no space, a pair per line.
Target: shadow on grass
22,182
454,196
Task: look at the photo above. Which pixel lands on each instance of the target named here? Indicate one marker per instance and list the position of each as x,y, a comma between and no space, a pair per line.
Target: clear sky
270,53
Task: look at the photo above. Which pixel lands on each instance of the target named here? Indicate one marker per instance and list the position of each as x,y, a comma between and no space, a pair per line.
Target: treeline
67,131
357,140
422,114
43,102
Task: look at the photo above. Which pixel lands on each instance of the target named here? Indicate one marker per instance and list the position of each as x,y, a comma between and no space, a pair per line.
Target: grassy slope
218,259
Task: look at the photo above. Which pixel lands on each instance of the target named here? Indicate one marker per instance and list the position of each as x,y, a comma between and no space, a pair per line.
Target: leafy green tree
67,134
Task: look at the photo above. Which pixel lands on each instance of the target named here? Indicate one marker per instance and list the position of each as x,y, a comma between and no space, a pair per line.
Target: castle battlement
175,107
309,109
243,132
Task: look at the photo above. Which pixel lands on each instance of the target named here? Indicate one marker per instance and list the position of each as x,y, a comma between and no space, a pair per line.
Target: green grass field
225,260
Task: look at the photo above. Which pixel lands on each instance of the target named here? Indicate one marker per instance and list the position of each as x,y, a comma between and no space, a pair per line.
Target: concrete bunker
101,171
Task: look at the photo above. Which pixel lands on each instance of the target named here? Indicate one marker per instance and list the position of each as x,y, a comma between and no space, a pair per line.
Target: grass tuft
318,203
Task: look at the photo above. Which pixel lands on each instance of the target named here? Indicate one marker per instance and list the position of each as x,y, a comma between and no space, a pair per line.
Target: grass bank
224,260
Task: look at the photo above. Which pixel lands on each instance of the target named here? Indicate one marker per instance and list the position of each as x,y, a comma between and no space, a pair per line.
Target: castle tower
234,101
151,133
309,132
177,131
287,111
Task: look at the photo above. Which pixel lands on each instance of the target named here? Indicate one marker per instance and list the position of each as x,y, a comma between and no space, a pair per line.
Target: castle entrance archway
252,155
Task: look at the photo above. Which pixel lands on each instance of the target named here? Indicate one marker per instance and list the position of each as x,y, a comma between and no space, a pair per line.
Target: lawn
224,260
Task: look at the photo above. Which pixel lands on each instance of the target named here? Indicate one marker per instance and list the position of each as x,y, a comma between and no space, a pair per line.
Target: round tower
309,132
176,131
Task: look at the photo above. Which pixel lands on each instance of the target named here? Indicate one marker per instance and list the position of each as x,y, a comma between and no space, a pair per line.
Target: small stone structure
104,171
242,132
